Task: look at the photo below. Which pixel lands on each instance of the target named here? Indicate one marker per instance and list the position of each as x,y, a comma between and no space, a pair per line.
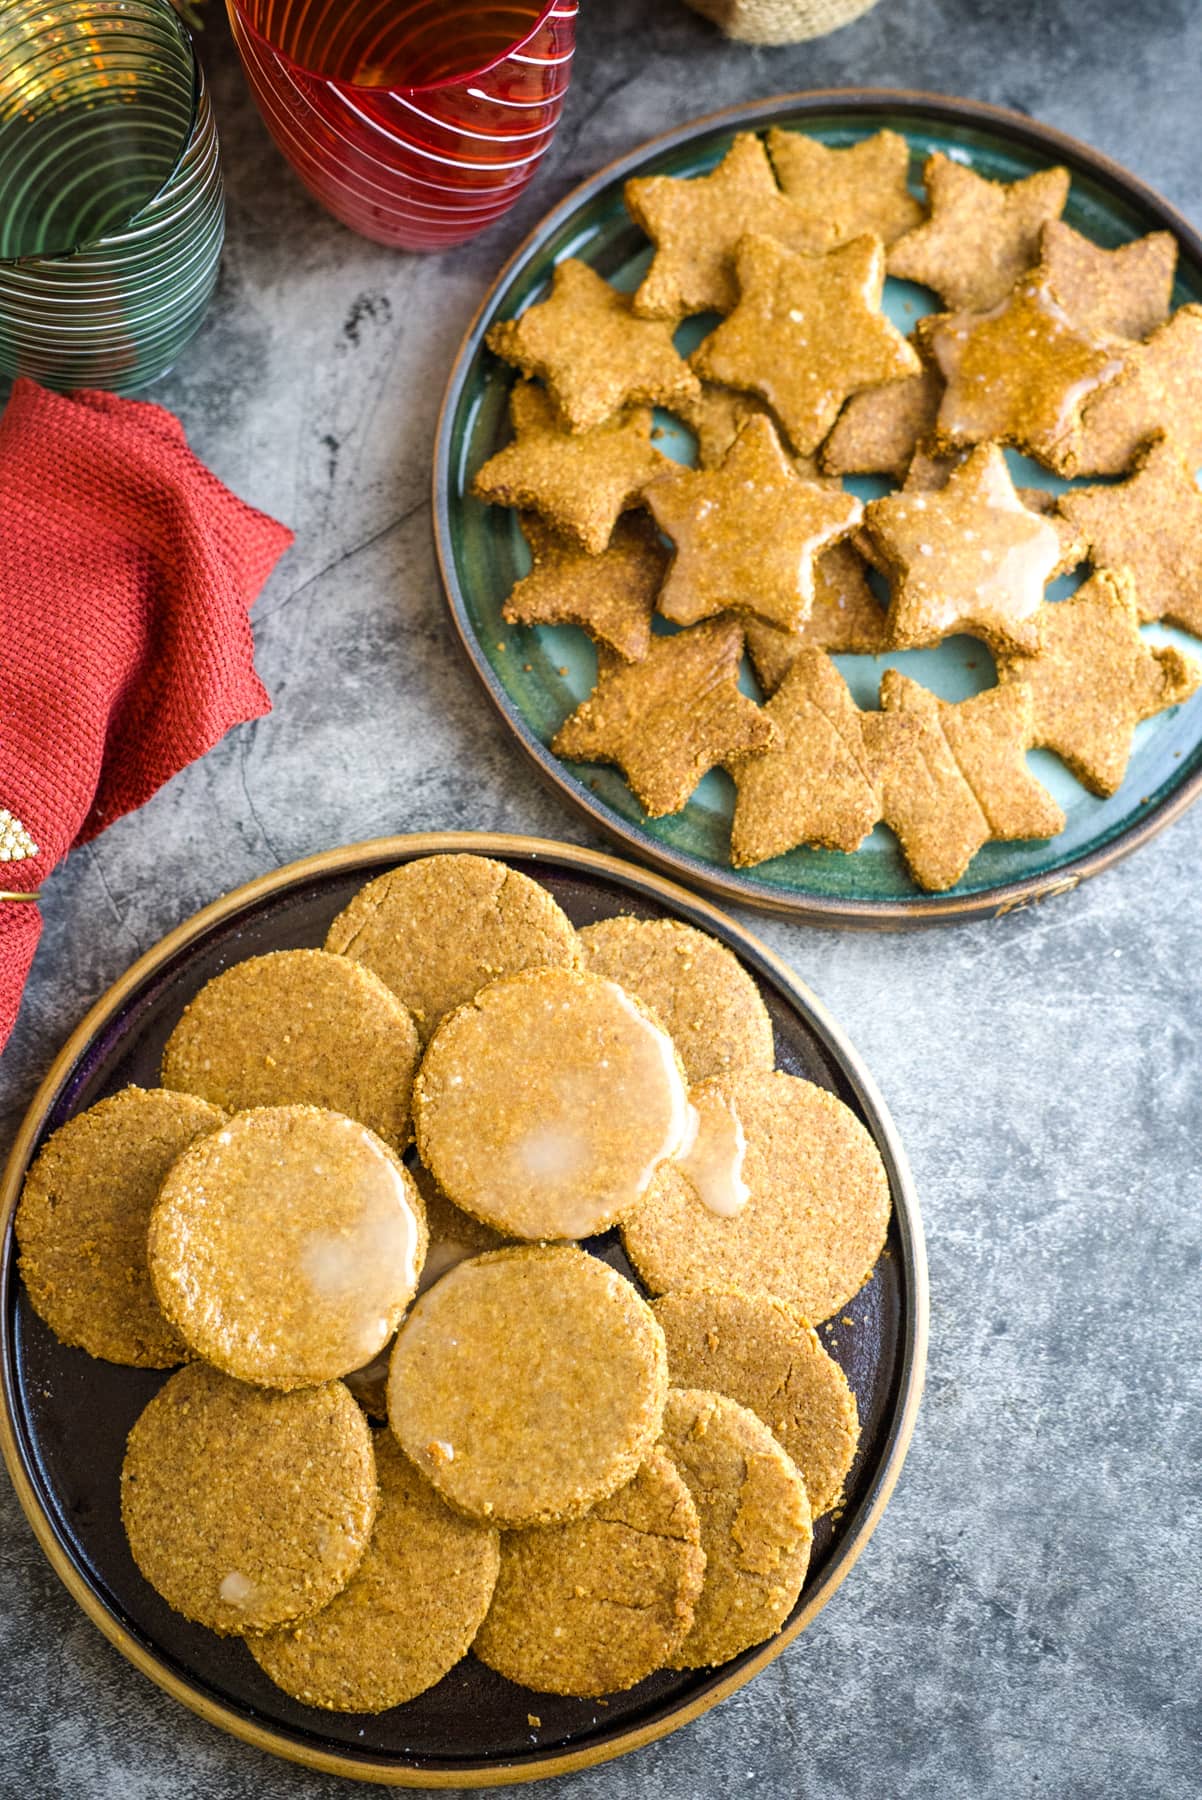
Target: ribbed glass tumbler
111,206
415,122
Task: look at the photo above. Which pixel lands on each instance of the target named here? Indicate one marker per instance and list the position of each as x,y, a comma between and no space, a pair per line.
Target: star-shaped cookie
879,429
1152,525
1159,389
579,482
1018,374
611,596
846,193
1095,678
696,222
666,720
594,354
981,234
746,534
807,332
1126,291
846,617
970,557
820,782
968,781
717,418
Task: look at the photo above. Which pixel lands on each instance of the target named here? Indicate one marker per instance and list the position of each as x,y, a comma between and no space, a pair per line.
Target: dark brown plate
66,1417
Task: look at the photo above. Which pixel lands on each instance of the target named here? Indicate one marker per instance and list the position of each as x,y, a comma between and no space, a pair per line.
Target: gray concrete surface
1027,1620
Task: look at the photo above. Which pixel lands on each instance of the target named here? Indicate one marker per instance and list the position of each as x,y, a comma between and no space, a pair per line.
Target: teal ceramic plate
537,676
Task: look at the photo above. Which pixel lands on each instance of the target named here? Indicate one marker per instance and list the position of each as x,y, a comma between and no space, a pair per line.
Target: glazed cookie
245,1509
528,1384
503,921
82,1219
298,1027
408,1613
545,1105
815,1219
286,1246
594,1605
761,1352
755,1524
746,535
697,989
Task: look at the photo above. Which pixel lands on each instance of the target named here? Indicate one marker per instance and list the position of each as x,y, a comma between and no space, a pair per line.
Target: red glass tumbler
415,122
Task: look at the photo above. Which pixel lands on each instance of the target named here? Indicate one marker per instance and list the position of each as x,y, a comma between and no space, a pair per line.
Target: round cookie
528,1384
82,1218
545,1105
286,1246
815,1219
298,1027
697,989
438,929
245,1509
762,1353
594,1605
755,1524
407,1614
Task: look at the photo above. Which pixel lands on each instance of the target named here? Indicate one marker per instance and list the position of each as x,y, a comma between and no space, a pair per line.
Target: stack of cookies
360,1196
1050,346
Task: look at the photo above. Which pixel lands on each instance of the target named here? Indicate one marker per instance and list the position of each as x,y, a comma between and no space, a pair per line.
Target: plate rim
920,909
912,1361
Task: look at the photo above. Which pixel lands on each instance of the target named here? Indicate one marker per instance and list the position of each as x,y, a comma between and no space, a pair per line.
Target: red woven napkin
126,573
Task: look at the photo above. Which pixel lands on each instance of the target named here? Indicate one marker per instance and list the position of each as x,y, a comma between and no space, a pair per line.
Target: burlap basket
780,21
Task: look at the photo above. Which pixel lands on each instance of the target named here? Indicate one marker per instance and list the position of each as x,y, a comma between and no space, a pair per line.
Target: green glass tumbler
112,213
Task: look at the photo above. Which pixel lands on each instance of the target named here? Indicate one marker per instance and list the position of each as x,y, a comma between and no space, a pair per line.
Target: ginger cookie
846,616
504,921
981,235
408,1613
807,332
611,596
880,428
1152,525
592,1606
847,193
82,1218
695,987
593,351
755,1524
669,719
1159,390
298,1027
815,1218
696,222
1126,292
716,420
970,557
969,782
569,1145
246,1509
746,534
528,1384
579,482
286,1246
1094,678
820,783
1019,374
763,1353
